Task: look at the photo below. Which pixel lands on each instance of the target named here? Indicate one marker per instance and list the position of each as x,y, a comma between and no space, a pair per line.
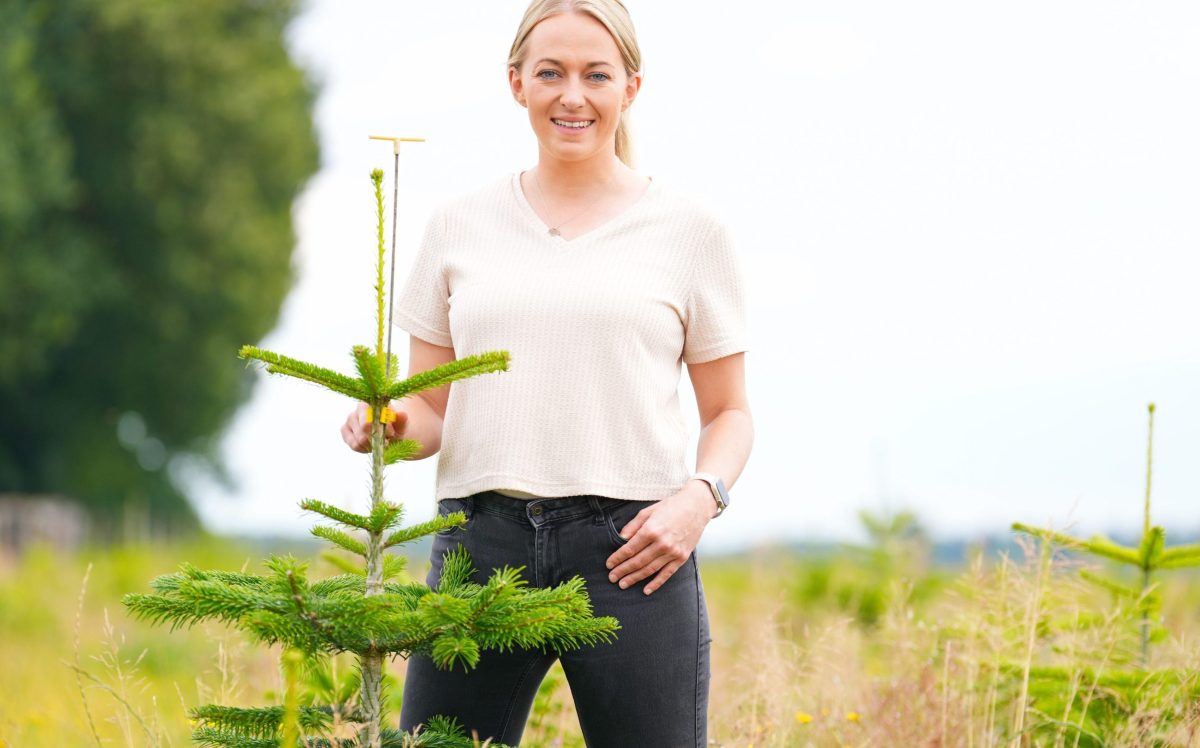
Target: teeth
576,125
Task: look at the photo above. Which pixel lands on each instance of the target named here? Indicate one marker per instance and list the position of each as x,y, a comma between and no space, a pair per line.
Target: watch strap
716,486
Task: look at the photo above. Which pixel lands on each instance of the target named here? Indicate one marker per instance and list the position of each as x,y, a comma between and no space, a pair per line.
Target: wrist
716,488
700,495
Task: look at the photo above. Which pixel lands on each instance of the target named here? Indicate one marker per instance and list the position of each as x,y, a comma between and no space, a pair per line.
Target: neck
571,178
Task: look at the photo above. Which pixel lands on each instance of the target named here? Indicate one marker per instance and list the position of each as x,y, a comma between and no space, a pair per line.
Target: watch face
721,490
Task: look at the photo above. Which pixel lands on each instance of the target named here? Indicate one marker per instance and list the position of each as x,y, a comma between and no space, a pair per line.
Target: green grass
846,649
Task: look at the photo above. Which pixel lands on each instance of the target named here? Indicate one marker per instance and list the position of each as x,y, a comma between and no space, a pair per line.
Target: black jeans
649,687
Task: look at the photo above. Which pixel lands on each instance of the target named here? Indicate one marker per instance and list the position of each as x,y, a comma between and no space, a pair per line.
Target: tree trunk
370,695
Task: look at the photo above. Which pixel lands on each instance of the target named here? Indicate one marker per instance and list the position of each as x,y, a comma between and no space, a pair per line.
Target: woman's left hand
662,537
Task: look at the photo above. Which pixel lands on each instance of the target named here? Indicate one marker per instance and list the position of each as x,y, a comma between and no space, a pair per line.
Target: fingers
395,429
621,556
665,574
639,567
630,532
356,432
648,552
635,524
350,434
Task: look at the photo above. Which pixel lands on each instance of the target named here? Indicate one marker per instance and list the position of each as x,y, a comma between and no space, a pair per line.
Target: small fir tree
367,610
1149,557
1099,699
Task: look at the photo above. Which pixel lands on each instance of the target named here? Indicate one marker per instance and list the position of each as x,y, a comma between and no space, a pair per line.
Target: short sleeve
422,304
715,311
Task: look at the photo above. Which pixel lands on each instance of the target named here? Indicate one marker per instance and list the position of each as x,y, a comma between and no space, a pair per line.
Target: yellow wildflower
852,716
804,717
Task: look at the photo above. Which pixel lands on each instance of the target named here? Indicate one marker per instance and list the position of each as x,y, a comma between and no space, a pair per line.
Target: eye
543,74
603,77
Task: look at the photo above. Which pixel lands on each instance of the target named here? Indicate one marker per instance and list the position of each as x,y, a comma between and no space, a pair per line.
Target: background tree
150,153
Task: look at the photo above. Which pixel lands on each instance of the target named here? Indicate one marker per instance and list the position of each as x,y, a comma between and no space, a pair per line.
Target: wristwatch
720,495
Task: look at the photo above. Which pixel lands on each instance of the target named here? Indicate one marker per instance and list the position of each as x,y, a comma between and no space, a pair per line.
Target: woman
599,283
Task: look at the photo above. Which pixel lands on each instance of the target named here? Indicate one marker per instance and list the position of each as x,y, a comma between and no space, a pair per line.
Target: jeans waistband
543,509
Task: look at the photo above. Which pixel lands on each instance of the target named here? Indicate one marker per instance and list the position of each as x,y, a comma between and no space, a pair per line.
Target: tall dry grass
981,664
806,652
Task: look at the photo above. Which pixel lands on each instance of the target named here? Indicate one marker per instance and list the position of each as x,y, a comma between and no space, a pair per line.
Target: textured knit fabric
596,328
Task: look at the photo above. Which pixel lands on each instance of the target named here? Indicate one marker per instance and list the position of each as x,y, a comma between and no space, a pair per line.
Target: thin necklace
554,229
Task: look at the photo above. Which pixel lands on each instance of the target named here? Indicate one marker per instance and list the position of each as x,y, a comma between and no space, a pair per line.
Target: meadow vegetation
862,647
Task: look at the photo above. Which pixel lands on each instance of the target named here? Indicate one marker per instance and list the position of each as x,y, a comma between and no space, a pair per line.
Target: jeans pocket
446,507
617,514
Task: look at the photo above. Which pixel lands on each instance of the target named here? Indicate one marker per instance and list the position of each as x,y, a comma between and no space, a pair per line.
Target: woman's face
574,85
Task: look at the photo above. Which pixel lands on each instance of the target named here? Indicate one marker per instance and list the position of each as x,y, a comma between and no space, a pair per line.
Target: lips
573,124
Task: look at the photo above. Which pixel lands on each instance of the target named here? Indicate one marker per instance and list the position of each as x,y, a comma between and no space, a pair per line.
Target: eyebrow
590,64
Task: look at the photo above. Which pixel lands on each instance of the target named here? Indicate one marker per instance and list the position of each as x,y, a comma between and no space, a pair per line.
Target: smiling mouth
573,125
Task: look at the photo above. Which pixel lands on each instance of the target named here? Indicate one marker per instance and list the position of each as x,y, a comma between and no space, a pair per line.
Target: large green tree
150,152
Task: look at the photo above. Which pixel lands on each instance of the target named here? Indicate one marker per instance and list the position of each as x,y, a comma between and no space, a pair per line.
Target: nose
572,94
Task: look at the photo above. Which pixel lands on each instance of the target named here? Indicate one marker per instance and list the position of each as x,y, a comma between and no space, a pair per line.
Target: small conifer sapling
1149,557
368,610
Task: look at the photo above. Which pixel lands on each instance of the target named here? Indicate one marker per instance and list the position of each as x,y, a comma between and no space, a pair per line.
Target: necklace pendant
553,231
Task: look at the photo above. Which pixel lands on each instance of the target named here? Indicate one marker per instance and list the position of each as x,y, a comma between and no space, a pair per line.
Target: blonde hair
615,17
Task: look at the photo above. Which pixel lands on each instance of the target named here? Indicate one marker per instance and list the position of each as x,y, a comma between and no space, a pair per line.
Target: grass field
863,647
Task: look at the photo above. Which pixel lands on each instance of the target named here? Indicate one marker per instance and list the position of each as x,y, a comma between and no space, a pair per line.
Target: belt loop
594,502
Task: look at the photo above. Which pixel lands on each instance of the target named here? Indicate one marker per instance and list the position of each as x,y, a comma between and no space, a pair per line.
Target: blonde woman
600,283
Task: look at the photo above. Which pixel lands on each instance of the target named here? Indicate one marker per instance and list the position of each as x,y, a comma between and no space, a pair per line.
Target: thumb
396,427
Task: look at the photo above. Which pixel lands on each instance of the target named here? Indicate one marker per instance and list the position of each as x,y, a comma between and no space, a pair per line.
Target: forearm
724,445
424,424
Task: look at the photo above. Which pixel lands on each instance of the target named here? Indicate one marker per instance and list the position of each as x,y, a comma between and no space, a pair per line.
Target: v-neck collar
542,229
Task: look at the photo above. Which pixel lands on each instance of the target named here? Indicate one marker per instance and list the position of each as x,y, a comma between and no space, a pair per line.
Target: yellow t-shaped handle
396,141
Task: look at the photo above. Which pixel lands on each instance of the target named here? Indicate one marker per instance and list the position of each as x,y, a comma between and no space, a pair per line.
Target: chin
572,151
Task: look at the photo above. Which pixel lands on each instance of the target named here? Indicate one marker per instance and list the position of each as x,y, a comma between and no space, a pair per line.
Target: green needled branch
328,378
402,449
1180,556
341,539
370,370
377,180
336,514
437,524
468,366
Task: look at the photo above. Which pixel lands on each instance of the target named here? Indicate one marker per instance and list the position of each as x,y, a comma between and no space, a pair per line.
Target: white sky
970,234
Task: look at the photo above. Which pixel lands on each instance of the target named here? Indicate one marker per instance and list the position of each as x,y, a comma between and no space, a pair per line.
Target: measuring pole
387,365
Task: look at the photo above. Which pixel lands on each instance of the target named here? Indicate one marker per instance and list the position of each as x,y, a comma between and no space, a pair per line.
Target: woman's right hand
356,432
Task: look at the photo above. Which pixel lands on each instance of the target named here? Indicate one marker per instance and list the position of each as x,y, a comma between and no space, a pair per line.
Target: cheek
539,103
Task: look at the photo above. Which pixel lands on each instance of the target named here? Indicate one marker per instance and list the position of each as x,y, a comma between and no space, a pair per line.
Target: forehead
572,37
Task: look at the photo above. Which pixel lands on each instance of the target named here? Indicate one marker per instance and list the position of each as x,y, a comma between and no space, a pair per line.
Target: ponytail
625,141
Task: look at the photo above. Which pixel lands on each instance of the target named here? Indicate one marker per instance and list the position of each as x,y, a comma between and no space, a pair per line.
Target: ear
633,84
517,86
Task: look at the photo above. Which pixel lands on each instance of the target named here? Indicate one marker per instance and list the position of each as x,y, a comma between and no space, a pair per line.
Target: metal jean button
536,510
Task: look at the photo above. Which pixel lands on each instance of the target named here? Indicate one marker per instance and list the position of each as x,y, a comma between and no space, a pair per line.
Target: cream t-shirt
596,328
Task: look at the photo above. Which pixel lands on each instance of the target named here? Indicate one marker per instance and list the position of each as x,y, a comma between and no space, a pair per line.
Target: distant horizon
998,538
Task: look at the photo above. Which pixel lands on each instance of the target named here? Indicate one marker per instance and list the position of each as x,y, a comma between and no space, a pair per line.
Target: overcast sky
970,235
